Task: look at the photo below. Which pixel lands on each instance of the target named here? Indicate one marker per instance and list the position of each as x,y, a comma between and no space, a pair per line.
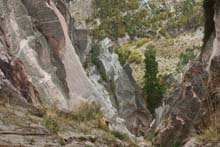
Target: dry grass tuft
87,117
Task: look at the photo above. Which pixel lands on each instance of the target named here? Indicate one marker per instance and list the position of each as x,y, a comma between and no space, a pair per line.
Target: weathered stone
214,83
123,90
43,51
81,10
184,107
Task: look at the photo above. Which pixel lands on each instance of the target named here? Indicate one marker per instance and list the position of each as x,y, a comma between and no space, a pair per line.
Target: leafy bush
152,88
135,57
123,53
141,42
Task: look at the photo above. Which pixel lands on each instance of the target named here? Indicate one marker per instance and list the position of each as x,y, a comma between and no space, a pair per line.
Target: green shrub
152,88
135,57
52,124
123,53
127,17
185,57
114,22
141,42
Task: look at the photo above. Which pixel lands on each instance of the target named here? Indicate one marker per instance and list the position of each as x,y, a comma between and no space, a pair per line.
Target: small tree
152,88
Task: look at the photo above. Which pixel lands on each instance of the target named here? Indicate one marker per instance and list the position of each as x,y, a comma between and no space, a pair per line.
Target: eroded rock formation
120,86
187,107
40,62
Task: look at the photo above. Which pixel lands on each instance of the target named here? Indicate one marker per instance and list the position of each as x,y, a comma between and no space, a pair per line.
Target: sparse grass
62,141
52,124
91,115
211,132
88,112
86,117
121,136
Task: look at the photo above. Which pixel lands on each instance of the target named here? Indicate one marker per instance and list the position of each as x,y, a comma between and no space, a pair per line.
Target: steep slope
193,106
40,64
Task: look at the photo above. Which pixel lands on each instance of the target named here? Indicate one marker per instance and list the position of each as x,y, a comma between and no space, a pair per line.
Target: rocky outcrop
183,107
196,100
214,83
30,46
40,50
46,55
113,82
81,10
120,86
13,79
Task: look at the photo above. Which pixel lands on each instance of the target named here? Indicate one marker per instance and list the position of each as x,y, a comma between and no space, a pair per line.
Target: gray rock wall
42,44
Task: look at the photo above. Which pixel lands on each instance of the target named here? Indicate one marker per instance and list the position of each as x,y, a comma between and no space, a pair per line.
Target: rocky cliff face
192,105
40,62
119,86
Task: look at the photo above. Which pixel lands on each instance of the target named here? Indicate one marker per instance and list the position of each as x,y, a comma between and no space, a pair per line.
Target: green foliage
89,145
127,53
185,57
141,42
91,115
62,141
117,20
135,57
176,144
121,136
86,116
123,53
52,124
152,88
149,21
88,112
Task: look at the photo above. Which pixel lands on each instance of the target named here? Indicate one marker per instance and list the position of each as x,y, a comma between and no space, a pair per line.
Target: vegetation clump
152,19
129,54
118,20
152,87
135,57
185,57
86,117
121,136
